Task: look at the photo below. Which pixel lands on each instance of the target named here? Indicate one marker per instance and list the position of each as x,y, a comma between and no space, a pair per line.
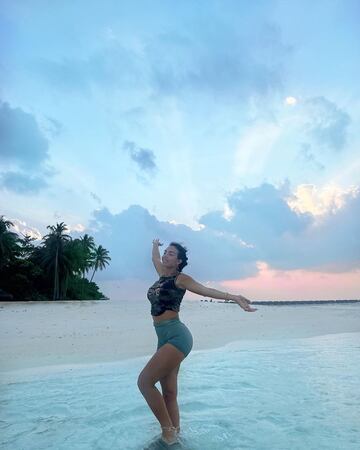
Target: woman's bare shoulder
182,279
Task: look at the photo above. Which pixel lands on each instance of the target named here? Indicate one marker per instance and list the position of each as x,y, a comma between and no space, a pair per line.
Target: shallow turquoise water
274,394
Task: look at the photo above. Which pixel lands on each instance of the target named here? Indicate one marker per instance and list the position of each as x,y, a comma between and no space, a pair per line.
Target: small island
54,269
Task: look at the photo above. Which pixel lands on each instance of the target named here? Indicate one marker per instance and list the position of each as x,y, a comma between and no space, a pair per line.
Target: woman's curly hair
181,254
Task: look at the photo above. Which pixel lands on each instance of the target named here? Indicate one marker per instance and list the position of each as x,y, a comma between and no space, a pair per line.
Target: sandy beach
35,334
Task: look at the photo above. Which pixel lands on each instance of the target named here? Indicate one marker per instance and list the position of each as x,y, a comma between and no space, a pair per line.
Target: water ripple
295,394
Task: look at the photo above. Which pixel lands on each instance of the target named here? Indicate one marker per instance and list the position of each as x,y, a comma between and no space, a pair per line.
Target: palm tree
54,244
72,264
9,241
27,246
100,259
88,247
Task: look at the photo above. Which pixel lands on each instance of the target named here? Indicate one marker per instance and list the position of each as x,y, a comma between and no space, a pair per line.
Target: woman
174,338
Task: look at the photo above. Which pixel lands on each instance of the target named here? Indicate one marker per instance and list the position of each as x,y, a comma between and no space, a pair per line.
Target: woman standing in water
174,338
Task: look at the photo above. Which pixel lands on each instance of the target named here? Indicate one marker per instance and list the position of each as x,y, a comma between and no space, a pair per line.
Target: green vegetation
56,269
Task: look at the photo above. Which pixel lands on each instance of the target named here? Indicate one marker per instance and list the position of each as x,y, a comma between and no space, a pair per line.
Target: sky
230,127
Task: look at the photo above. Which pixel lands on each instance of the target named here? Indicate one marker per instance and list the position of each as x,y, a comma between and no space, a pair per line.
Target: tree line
54,269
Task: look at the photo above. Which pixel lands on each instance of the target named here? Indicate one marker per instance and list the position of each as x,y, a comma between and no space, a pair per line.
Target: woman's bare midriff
166,315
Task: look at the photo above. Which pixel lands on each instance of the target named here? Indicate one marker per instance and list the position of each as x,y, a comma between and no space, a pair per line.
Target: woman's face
170,257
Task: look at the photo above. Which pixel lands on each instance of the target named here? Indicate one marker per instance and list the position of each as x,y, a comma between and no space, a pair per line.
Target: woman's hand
244,303
157,242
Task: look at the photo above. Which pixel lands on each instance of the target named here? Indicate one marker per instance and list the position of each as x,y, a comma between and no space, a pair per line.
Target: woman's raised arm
156,258
186,282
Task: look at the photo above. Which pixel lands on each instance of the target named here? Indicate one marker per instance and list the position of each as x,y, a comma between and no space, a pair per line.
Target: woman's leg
169,392
166,359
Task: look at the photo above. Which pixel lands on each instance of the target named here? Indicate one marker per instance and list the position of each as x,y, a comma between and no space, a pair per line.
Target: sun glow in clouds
77,227
272,284
21,228
291,101
320,200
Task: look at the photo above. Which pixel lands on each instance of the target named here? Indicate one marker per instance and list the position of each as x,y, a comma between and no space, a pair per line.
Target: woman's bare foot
169,435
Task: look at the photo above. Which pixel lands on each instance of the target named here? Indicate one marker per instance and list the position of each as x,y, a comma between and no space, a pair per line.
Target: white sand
34,334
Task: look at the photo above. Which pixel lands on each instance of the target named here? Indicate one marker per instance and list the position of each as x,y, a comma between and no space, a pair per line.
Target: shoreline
29,373
42,334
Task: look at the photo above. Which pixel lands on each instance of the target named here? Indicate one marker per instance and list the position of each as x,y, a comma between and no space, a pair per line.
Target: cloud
320,201
21,140
78,228
306,156
144,158
229,61
327,124
263,226
288,238
112,66
314,130
21,228
334,242
129,234
96,197
296,285
21,183
24,147
258,215
54,127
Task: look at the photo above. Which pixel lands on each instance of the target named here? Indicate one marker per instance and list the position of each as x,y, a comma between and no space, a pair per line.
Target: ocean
288,393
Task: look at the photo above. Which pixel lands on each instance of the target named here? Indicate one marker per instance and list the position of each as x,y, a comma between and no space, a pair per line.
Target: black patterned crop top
164,294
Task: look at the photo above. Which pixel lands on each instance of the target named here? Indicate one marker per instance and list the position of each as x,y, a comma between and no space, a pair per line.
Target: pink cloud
270,284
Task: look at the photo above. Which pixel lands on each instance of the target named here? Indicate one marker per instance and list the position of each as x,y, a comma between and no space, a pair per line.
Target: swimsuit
165,295
174,332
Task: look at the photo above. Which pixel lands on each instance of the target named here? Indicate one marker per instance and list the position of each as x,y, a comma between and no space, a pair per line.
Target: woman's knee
143,381
169,386
170,395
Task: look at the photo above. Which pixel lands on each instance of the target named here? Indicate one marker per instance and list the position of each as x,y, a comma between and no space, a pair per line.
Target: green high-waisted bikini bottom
174,332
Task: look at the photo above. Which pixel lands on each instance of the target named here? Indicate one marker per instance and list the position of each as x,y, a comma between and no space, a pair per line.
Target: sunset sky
231,127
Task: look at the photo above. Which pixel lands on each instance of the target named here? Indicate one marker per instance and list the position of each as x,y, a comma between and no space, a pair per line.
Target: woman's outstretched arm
186,282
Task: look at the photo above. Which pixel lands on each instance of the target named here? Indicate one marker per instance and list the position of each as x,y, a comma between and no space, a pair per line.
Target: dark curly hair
181,254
